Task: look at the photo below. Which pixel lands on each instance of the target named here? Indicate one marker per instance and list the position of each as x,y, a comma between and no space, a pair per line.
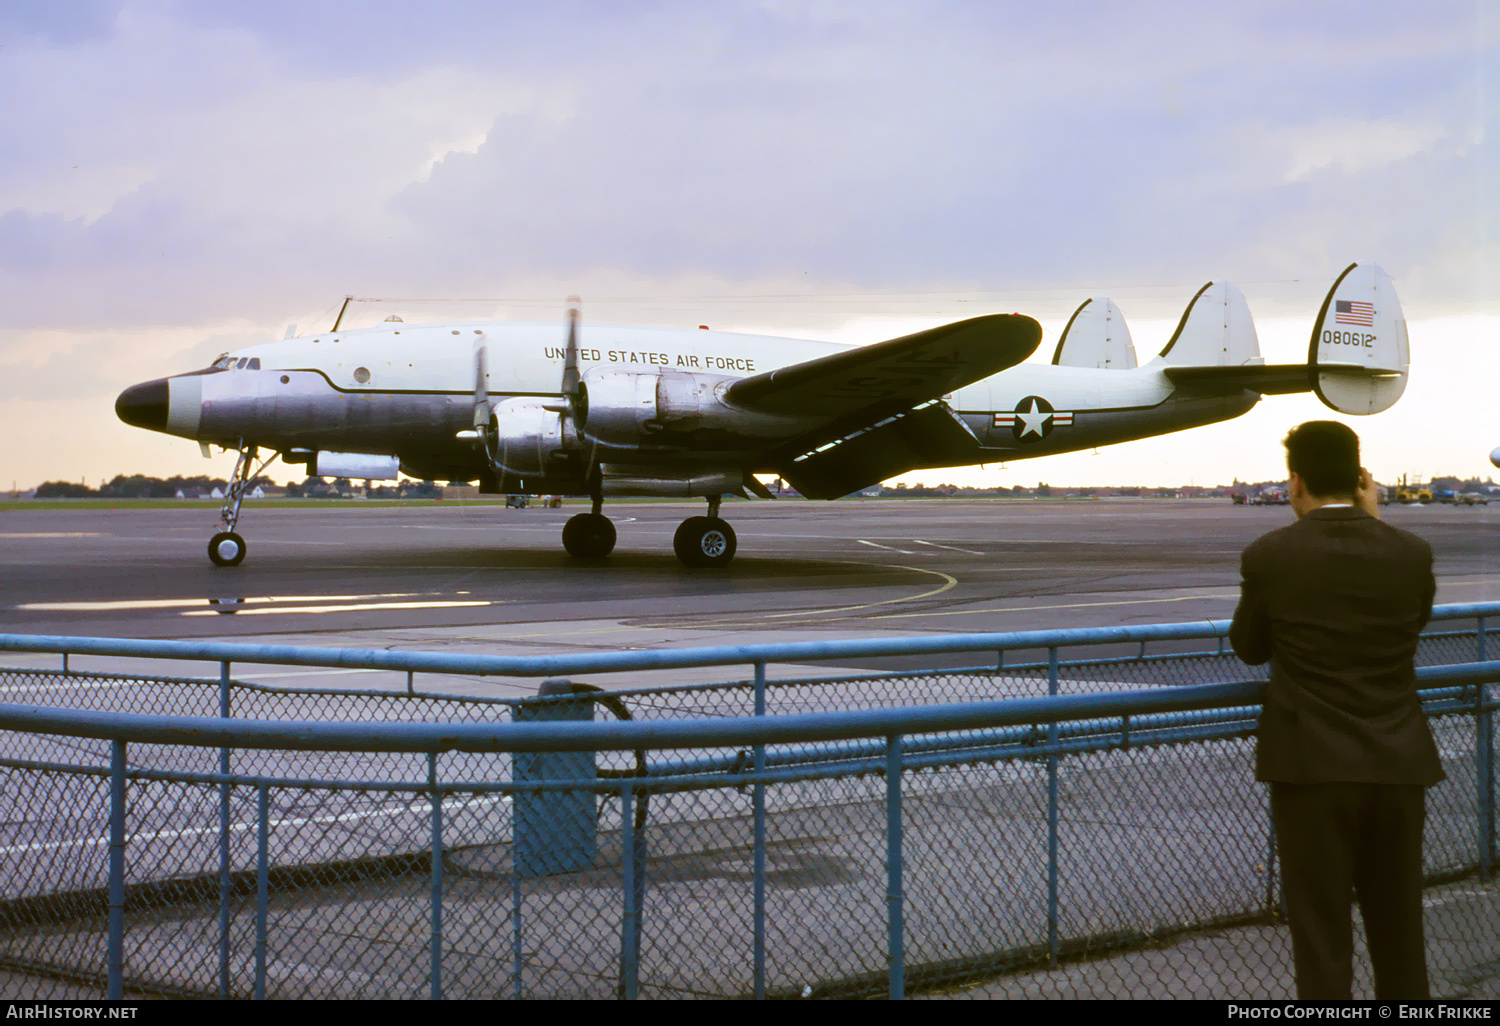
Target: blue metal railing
890,743
659,659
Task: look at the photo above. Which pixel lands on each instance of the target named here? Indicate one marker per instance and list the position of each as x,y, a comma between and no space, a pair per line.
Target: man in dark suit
1336,601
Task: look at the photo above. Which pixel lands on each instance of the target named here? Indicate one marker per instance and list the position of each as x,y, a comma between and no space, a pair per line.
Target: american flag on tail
1354,312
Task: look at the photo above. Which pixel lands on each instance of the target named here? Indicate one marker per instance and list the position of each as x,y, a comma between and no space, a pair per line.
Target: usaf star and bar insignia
1033,420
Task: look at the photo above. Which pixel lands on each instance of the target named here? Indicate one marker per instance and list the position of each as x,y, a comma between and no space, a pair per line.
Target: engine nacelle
621,480
524,436
615,407
624,409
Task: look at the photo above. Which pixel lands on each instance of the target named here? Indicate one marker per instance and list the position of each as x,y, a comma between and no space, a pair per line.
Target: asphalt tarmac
483,578
459,576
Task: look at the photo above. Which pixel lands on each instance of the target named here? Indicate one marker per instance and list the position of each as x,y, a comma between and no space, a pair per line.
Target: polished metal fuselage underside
408,392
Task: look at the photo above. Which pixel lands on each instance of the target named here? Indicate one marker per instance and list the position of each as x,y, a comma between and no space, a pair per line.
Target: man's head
1323,458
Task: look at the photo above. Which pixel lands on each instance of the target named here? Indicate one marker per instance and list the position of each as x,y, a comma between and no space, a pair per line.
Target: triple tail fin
1357,359
1359,356
1096,336
1216,330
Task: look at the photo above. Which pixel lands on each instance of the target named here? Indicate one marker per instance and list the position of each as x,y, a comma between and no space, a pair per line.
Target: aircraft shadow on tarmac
648,563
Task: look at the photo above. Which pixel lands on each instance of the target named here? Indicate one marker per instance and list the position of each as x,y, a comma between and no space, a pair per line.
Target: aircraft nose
144,405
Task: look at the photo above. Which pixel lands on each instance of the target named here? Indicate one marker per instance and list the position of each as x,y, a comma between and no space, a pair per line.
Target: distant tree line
139,486
134,486
1042,490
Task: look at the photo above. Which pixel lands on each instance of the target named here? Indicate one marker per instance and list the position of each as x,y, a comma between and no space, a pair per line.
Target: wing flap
931,435
902,371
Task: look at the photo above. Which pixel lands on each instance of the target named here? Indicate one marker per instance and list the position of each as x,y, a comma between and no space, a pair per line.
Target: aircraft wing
1267,379
896,374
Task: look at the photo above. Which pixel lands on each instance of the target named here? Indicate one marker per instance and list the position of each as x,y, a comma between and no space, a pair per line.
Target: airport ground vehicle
1409,492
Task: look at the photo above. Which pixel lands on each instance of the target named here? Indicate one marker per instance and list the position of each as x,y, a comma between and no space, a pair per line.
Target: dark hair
1325,454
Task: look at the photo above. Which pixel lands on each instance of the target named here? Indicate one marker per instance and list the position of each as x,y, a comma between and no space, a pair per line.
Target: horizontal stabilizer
1096,336
901,372
1267,379
1358,354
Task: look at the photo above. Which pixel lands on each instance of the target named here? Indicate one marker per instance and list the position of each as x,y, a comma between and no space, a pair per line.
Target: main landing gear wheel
589,536
226,549
704,541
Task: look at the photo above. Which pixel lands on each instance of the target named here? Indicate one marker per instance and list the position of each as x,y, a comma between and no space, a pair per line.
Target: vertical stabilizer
1358,356
1216,330
1096,336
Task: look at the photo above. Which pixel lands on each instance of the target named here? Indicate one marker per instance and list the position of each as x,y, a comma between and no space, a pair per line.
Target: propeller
482,414
575,398
571,377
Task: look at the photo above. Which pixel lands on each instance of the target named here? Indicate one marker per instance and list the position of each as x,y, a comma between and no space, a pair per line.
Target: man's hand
1365,496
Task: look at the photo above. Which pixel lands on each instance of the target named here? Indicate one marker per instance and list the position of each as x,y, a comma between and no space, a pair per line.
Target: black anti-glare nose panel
144,405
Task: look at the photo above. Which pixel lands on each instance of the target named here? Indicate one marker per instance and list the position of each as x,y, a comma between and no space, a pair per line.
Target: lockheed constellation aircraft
605,411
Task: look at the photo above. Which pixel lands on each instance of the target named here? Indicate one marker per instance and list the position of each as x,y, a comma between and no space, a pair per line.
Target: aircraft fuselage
408,390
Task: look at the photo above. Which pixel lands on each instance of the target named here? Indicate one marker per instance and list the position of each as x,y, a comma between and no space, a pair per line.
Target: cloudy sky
180,178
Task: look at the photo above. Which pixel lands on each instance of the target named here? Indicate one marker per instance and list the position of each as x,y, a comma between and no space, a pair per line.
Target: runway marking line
159,835
351,608
172,603
264,604
887,548
1111,602
948,582
1061,605
951,548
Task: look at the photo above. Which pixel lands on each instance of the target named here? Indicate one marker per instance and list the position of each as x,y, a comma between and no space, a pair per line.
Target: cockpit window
224,362
241,365
254,363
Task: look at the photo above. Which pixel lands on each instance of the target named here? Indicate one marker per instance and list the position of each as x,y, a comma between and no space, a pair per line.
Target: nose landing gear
227,548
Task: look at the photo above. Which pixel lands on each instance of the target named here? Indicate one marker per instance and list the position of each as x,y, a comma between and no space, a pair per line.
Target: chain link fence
1117,855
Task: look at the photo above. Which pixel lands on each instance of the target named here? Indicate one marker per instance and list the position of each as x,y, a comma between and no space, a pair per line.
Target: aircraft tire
589,536
704,542
226,549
